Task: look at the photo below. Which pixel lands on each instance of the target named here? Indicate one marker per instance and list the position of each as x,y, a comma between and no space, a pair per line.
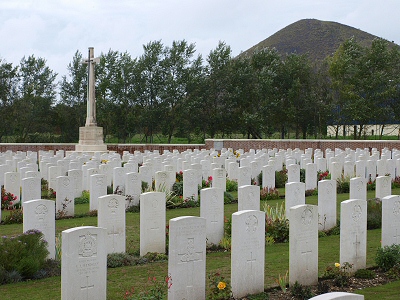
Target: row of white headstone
251,254
248,231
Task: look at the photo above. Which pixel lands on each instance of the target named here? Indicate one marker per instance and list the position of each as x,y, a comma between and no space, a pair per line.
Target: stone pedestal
91,139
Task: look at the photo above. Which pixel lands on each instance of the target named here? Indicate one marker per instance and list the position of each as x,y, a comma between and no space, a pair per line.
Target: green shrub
259,178
276,224
374,214
231,185
343,185
219,287
228,198
387,257
301,292
83,199
280,178
303,175
396,183
115,260
364,274
269,194
177,188
371,185
339,273
25,254
14,217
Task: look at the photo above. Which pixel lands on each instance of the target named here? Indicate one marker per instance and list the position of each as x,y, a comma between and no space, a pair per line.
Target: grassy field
124,278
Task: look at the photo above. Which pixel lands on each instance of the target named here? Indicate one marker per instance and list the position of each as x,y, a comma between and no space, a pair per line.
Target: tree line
174,92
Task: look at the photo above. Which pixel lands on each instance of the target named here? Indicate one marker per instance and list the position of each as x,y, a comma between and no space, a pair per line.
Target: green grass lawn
124,278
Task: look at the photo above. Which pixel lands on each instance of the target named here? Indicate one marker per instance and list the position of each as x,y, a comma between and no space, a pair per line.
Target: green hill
317,38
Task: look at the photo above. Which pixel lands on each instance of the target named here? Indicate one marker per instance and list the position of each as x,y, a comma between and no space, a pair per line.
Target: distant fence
218,144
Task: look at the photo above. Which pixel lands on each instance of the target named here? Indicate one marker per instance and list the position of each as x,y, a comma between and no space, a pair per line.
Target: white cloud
55,29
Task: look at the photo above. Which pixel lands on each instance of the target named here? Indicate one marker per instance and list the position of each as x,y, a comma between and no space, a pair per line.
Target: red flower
5,198
209,178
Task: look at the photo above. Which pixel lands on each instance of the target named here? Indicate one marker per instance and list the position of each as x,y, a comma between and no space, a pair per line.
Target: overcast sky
56,29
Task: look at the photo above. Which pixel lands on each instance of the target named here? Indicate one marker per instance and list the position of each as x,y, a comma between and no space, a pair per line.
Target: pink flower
209,178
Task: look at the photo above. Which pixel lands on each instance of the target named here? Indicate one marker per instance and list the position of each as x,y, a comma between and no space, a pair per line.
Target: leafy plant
387,257
323,175
303,175
280,178
7,199
268,193
177,188
84,198
15,216
228,198
364,274
276,224
155,290
339,273
22,256
301,292
283,281
231,185
219,287
62,213
343,185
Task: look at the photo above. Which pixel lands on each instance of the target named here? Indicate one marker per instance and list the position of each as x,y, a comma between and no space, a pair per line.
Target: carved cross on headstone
250,261
91,99
86,286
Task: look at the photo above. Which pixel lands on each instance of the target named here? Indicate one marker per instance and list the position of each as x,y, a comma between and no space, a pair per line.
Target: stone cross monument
91,136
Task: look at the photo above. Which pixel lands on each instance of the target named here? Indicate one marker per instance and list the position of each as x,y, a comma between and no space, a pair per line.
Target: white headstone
65,205
326,204
383,186
190,188
249,197
31,189
268,176
187,258
353,233
133,188
219,178
390,220
152,222
12,184
311,176
338,296
303,244
111,216
358,188
294,195
212,209
247,253
84,263
76,178
244,176
40,214
293,173
98,188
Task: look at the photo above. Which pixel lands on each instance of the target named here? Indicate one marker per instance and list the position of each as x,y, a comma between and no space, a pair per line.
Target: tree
150,88
33,109
366,83
71,110
8,94
180,73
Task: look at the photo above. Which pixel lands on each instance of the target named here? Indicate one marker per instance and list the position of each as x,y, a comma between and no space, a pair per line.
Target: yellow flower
221,285
337,265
